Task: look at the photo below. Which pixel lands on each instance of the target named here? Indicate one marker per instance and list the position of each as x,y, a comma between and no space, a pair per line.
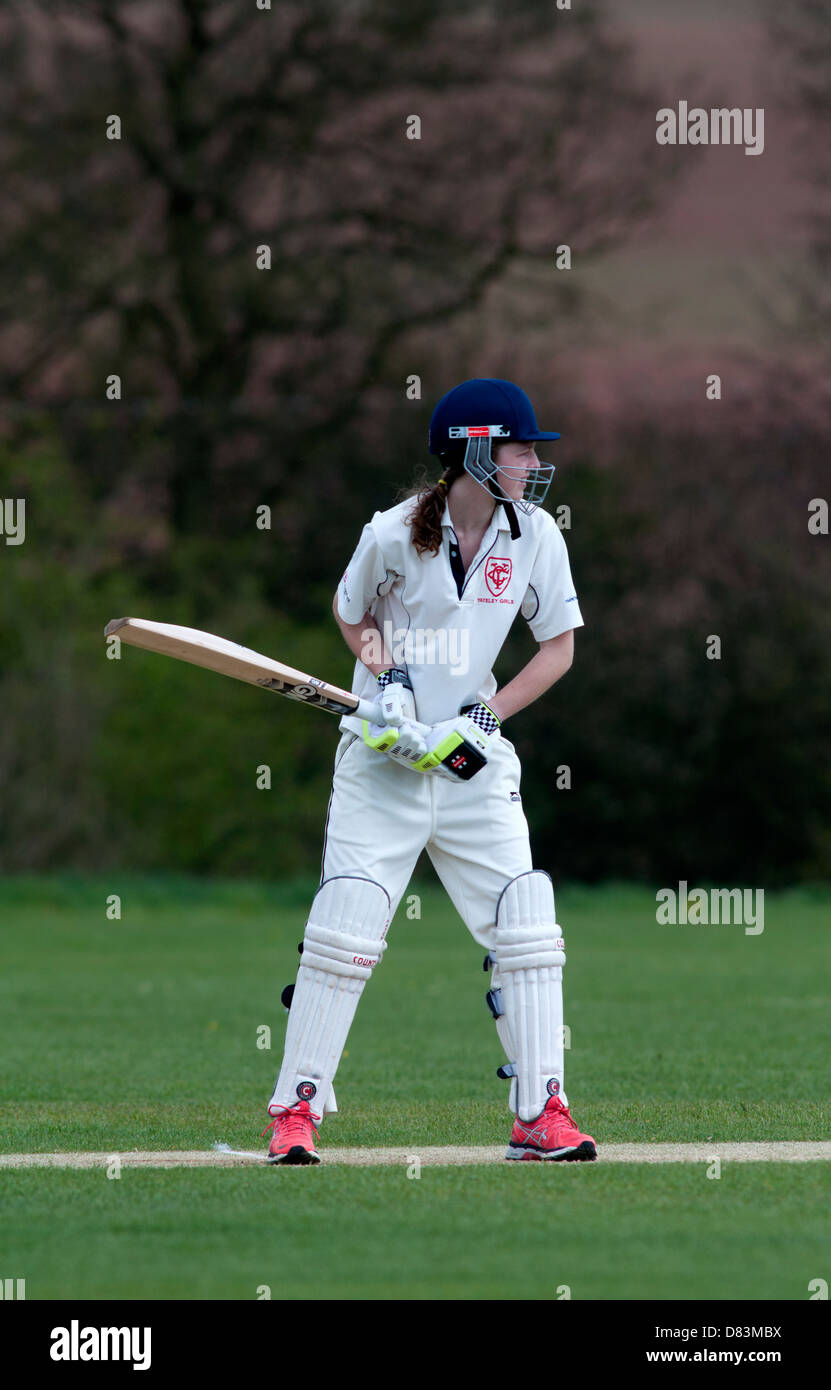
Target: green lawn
142,1033
759,1232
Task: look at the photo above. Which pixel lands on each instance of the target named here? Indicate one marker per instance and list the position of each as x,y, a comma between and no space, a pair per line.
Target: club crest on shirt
498,574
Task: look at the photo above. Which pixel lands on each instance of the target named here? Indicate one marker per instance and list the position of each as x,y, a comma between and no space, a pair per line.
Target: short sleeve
550,605
364,579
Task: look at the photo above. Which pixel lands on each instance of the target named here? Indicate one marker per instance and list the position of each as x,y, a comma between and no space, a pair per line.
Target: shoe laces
554,1111
294,1121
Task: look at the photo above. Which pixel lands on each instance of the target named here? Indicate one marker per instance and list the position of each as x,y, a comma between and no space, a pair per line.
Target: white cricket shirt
445,627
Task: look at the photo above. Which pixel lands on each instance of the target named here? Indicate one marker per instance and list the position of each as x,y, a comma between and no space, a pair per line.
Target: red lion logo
498,574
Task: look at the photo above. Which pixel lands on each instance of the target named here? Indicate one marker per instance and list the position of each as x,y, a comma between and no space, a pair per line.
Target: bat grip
367,709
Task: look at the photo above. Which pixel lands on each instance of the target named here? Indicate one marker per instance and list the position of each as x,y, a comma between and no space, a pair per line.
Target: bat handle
366,709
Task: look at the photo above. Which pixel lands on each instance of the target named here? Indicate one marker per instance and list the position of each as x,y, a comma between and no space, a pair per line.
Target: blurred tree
285,128
390,256
800,34
682,766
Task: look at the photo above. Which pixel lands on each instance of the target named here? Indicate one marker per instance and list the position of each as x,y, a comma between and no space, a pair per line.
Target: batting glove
459,748
396,701
395,732
404,743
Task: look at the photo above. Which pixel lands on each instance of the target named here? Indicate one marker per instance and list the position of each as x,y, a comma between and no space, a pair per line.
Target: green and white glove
396,733
459,748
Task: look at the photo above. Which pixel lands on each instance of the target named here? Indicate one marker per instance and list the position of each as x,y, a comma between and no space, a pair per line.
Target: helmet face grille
480,464
536,487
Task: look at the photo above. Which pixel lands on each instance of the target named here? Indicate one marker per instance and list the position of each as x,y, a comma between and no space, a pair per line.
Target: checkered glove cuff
392,675
481,715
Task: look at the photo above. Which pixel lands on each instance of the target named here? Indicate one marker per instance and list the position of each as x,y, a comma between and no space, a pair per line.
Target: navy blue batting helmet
483,409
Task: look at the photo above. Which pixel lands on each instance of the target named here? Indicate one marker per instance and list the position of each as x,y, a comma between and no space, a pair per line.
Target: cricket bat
229,659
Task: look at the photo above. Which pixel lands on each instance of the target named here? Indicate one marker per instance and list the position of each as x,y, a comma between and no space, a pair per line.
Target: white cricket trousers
382,815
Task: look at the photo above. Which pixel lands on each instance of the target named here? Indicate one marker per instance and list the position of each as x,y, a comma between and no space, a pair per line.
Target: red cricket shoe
292,1138
553,1135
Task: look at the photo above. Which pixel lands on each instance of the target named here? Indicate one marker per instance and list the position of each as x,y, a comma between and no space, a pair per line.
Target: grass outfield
524,1232
142,1033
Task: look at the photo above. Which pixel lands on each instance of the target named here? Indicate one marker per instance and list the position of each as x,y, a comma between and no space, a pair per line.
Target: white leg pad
527,991
343,942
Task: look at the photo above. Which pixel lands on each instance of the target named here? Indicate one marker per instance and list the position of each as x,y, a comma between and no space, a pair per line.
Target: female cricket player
425,605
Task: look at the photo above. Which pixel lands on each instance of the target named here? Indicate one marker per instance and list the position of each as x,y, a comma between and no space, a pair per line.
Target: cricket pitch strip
222,1156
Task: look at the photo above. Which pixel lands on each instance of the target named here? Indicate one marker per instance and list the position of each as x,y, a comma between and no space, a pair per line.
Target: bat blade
241,663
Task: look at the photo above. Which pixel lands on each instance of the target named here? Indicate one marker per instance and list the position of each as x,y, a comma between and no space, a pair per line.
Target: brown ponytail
430,498
425,518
